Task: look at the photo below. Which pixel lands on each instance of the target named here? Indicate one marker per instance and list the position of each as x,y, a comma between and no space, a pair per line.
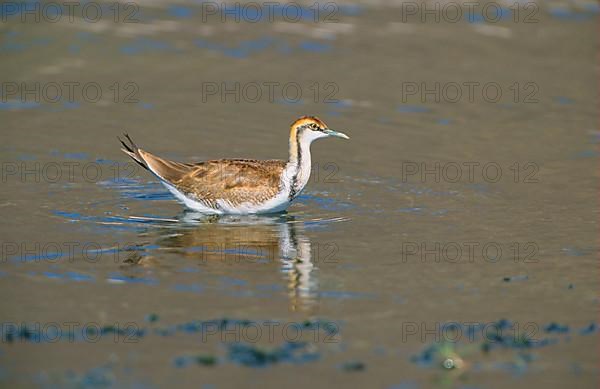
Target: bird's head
309,128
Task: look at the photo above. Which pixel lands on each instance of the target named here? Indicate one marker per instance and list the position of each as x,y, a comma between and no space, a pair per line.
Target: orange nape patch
303,120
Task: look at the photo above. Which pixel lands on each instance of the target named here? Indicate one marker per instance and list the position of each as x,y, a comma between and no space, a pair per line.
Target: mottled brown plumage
237,180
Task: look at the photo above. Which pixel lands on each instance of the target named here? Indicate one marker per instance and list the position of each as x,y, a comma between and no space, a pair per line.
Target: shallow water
107,282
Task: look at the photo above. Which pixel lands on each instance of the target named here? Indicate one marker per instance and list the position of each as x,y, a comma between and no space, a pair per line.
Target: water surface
385,247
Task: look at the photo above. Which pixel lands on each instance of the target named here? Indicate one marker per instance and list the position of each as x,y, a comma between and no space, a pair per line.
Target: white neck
299,166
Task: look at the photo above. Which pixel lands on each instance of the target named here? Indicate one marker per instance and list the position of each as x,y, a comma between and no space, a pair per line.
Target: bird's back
235,181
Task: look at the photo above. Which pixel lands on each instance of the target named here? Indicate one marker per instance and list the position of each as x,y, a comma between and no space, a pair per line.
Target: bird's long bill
337,134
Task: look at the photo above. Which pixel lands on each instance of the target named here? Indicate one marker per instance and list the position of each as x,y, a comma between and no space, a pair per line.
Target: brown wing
234,180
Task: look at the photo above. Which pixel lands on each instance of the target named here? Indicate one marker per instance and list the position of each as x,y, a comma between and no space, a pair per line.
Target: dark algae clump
255,356
521,277
353,366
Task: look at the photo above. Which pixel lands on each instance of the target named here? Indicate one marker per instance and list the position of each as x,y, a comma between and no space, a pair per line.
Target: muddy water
454,229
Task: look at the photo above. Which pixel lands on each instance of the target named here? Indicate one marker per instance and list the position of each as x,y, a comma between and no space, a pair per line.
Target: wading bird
239,186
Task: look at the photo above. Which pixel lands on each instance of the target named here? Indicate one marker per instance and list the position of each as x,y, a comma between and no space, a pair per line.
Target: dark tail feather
132,150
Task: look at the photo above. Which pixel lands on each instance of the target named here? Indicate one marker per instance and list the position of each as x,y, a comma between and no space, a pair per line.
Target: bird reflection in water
249,241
